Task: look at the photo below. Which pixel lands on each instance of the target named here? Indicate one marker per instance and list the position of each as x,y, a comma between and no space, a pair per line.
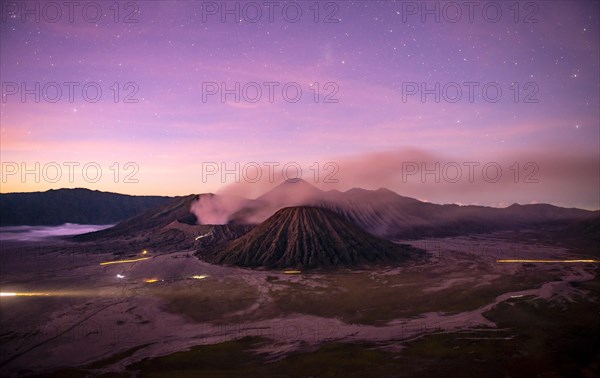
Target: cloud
547,175
504,177
37,233
211,209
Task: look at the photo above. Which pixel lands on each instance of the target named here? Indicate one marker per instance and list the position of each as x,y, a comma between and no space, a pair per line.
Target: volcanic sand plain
170,314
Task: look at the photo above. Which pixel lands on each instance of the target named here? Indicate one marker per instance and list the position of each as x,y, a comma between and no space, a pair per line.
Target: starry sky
356,64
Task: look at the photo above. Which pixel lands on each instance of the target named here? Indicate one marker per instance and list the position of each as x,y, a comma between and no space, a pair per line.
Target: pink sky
169,133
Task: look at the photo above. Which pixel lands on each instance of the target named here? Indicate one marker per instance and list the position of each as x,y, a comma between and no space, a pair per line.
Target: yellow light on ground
292,272
151,280
547,261
199,277
124,261
144,252
23,294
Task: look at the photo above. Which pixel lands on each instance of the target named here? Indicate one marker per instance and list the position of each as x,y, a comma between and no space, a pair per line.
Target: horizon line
344,191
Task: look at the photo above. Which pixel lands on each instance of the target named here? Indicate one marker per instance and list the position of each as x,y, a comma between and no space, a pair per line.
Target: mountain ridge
382,212
72,205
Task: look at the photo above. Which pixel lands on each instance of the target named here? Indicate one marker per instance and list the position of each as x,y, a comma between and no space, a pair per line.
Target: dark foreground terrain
459,312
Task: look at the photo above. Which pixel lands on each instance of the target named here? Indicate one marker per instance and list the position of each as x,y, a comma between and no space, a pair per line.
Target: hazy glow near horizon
544,59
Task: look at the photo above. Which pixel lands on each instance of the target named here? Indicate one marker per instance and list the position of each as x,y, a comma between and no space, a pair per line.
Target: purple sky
370,58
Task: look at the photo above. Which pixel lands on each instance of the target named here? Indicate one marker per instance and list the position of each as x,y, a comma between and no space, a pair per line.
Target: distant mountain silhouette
305,237
389,215
290,190
289,193
384,213
84,206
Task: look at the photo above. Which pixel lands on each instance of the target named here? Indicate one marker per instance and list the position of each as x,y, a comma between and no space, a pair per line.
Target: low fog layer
34,233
